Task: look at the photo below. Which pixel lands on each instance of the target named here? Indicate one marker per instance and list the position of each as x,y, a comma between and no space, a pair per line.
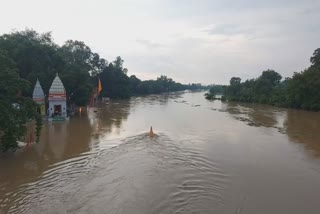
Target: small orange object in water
151,134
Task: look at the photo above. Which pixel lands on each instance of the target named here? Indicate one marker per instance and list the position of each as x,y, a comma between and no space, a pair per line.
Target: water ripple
139,175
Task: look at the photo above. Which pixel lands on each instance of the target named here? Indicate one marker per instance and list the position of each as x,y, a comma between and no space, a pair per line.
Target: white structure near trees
38,97
57,99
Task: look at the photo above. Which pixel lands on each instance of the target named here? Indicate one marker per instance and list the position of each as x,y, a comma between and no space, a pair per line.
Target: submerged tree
15,110
211,95
303,87
80,64
300,91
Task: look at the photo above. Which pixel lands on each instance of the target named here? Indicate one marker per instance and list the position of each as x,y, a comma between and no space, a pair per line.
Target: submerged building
39,98
57,99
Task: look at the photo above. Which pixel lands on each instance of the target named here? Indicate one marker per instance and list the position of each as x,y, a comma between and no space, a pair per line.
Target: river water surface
206,157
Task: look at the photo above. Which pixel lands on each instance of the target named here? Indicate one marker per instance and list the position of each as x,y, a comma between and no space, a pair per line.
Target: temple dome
38,94
57,86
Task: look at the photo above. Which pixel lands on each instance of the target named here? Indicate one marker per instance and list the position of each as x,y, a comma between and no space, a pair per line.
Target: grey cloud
149,44
229,29
311,10
192,8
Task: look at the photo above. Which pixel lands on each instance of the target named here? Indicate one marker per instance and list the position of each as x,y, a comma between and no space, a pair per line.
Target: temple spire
38,94
57,86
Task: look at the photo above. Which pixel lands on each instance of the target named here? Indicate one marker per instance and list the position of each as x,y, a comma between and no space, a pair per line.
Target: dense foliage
116,83
302,91
211,95
15,110
218,89
28,55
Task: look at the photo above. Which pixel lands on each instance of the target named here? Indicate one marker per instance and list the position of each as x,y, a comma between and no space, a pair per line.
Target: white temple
38,97
57,99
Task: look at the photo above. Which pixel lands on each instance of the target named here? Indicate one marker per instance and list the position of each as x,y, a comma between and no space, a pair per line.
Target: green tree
303,89
234,88
15,110
80,61
300,91
315,59
211,95
134,83
114,79
35,56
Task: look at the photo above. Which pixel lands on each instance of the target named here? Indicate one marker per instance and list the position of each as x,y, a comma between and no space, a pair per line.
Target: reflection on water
207,157
256,115
304,127
300,126
109,118
58,142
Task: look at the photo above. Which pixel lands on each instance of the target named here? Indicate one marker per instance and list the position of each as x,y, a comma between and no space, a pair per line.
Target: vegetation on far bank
215,90
301,91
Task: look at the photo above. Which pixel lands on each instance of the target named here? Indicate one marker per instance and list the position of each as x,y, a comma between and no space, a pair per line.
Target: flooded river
206,157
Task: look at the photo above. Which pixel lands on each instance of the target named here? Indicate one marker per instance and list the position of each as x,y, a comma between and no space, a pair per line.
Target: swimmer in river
151,134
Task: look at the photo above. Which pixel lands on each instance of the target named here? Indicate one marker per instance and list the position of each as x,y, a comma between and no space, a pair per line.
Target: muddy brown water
207,157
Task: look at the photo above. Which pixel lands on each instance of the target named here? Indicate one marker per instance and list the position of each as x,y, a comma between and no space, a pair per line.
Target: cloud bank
203,41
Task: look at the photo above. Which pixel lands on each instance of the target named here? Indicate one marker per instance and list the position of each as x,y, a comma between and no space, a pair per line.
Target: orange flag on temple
99,86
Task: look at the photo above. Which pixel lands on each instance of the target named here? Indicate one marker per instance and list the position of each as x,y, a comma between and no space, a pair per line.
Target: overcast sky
203,41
